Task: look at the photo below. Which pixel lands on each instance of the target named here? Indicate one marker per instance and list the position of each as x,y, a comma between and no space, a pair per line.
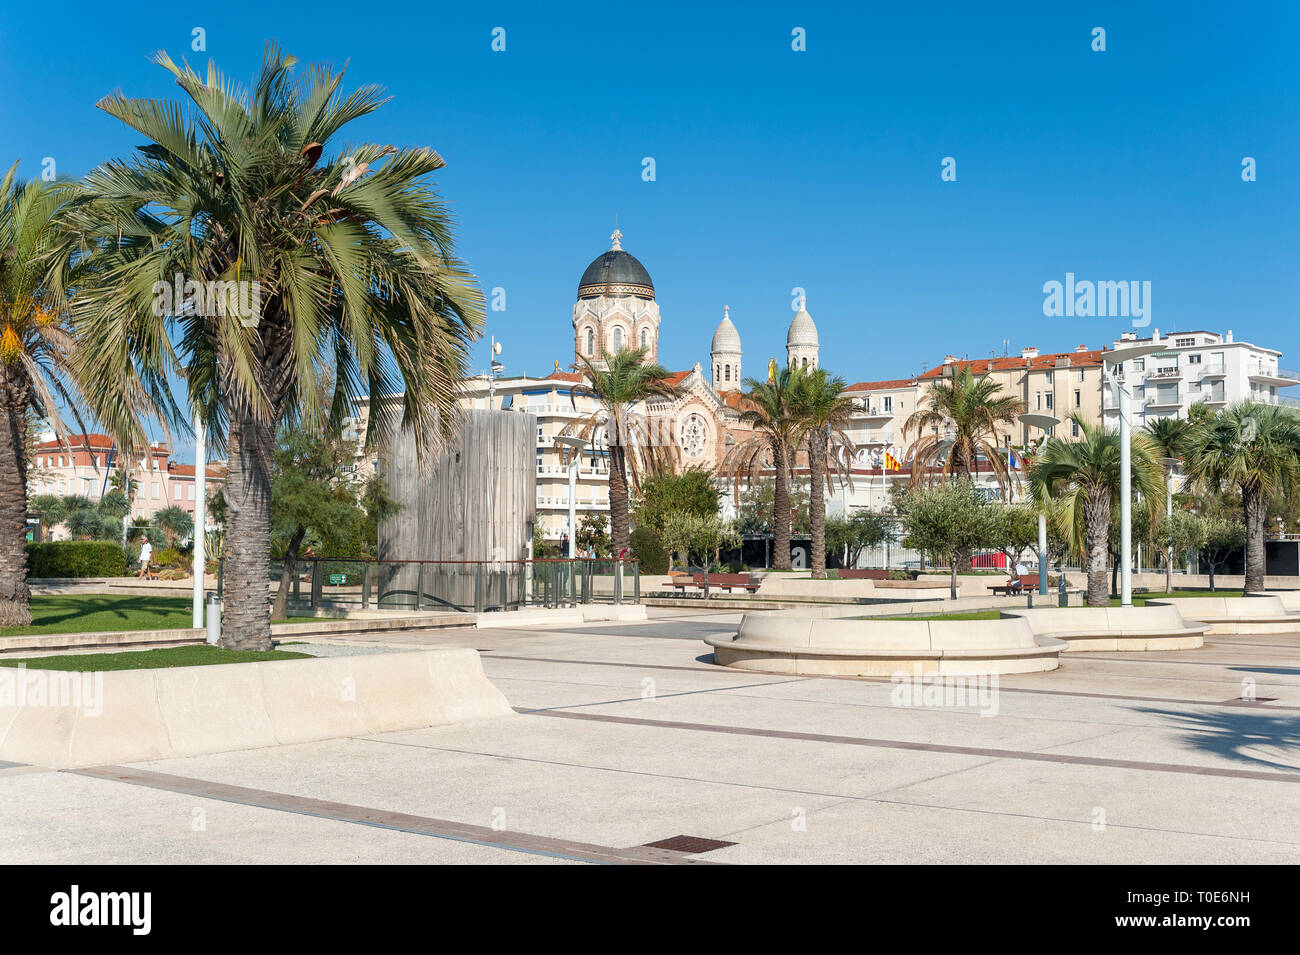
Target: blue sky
775,168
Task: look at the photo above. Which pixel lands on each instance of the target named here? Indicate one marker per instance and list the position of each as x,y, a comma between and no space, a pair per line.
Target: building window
1077,398
727,373
1049,377
1038,401
645,338
618,339
717,373
1080,378
889,403
1074,429
1049,401
1193,359
154,490
591,341
1184,342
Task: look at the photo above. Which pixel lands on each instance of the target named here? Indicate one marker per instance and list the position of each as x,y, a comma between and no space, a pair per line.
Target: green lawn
96,613
195,656
1140,600
969,615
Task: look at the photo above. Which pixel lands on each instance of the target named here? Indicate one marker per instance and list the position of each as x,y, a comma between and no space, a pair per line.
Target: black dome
616,273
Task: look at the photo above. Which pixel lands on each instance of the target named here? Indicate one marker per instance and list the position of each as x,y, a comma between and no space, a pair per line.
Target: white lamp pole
575,446
200,514
1046,422
1115,358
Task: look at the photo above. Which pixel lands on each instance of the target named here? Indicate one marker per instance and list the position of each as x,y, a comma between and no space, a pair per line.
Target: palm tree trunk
1096,517
618,505
817,500
781,511
15,596
280,608
1252,503
246,620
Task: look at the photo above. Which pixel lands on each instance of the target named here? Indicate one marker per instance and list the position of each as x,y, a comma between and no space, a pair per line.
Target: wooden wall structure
476,502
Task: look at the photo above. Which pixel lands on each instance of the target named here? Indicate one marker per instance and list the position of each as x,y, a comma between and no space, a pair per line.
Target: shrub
76,559
904,574
169,557
649,548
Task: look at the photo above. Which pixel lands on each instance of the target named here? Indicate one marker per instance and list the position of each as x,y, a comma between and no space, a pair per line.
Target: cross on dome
617,238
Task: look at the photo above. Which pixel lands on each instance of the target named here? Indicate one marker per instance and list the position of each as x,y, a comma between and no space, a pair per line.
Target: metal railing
465,586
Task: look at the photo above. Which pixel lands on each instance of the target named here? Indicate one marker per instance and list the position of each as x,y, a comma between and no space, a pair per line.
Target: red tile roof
881,385
569,376
677,377
981,366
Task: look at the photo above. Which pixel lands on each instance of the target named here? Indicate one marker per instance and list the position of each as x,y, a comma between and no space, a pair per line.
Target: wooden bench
1025,582
867,573
726,582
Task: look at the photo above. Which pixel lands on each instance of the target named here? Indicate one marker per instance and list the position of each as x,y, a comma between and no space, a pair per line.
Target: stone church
616,309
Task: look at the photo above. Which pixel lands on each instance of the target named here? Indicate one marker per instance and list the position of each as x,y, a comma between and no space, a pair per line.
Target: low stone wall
1115,628
777,643
1260,613
124,716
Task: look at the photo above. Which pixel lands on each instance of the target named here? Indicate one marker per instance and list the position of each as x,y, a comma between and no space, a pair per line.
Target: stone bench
1115,628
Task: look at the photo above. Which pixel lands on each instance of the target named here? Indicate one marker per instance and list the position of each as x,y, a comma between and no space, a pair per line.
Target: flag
1013,462
891,462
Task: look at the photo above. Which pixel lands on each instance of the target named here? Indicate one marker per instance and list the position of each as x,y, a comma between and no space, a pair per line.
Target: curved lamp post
1046,422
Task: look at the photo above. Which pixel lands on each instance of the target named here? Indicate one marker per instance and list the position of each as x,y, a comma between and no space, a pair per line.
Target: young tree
593,531
1015,531
310,494
1178,533
853,534
1224,536
948,520
175,522
756,500
342,259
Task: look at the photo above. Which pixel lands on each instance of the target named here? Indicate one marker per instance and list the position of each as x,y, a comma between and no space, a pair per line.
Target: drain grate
689,844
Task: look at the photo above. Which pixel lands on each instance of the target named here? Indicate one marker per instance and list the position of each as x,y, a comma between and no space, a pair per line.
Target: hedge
649,548
76,559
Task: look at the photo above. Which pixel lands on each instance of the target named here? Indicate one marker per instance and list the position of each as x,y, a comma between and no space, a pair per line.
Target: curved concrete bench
124,716
1262,613
819,646
1115,628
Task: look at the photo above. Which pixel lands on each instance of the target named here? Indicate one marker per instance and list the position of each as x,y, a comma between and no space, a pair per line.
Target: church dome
616,273
802,330
726,338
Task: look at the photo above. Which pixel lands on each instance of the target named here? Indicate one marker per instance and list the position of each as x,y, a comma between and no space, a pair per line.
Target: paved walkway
628,735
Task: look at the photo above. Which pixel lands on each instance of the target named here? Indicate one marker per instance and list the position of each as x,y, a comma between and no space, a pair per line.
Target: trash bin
214,619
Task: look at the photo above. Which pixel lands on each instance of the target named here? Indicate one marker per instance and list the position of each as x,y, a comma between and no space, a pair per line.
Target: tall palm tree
35,355
961,418
310,261
768,409
620,389
1169,436
1078,482
1251,447
825,410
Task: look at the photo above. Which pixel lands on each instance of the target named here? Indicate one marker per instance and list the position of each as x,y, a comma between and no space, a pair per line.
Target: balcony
1174,400
1214,369
1272,376
1165,374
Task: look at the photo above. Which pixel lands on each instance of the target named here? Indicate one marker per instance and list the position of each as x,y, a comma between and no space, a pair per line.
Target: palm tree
1252,447
619,388
35,350
305,266
1169,436
825,410
1078,482
51,509
768,409
175,523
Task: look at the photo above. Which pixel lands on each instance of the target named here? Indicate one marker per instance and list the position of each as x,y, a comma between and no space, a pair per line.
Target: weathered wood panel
475,503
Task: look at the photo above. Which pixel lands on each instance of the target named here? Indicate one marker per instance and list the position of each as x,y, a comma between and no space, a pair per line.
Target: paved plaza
626,734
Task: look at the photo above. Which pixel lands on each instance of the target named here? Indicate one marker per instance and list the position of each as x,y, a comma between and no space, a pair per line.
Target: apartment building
83,465
1199,367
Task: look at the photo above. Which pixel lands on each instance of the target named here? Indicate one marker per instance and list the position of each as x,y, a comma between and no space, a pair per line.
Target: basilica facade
615,308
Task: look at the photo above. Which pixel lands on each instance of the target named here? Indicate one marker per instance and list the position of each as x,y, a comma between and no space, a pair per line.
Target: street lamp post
200,514
496,369
1046,422
1116,358
575,457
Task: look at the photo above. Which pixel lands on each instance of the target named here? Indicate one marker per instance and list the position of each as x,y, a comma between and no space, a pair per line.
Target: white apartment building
1199,367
